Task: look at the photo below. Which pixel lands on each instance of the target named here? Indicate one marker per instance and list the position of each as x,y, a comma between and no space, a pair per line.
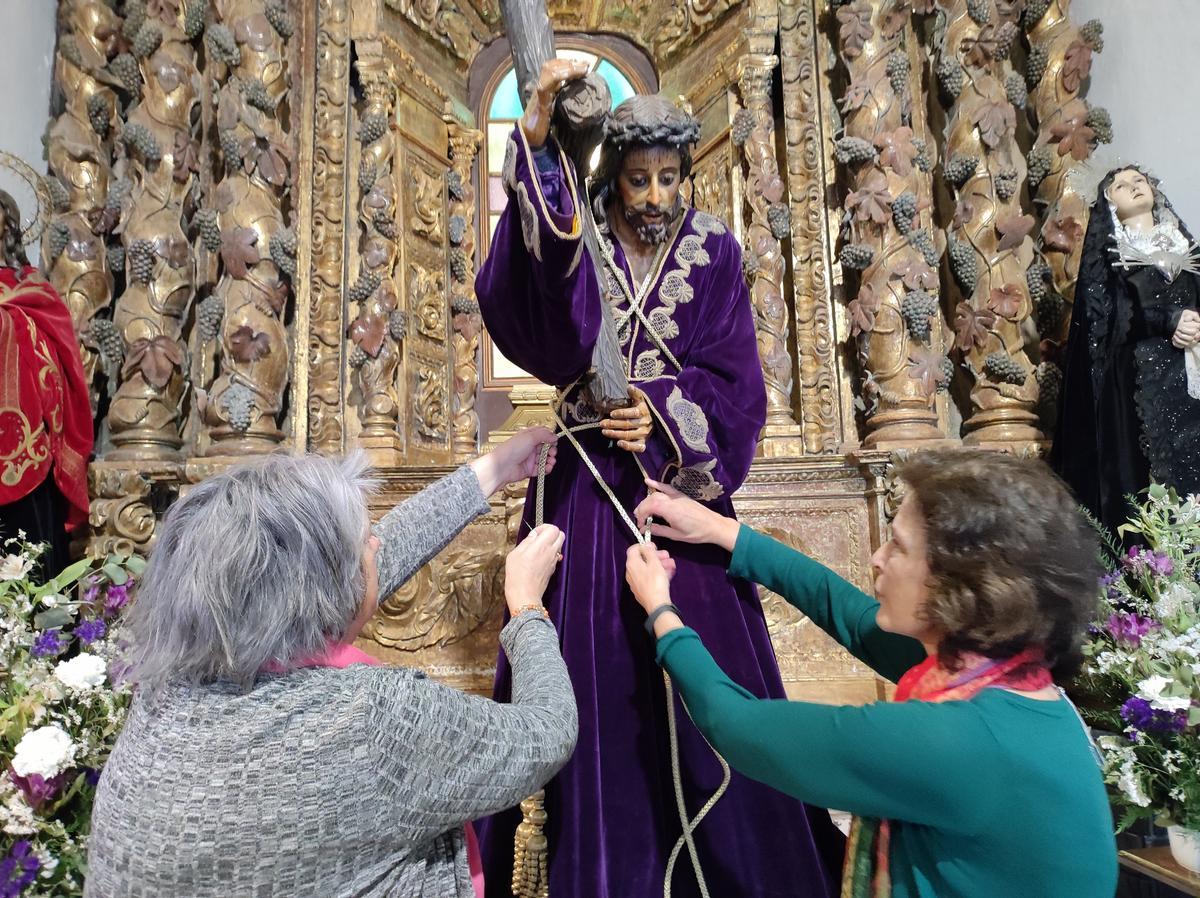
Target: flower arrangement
61,707
1141,680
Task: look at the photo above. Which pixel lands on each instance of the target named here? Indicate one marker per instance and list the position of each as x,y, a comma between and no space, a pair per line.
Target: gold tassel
531,866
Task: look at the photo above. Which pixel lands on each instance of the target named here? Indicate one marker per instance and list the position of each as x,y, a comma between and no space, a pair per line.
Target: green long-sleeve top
996,797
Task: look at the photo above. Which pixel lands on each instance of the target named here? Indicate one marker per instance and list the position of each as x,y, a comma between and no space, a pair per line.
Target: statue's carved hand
632,425
1187,332
555,75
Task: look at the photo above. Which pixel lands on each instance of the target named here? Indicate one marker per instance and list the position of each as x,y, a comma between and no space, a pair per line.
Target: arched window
501,107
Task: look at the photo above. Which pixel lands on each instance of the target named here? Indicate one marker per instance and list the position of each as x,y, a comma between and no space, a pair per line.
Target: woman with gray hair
258,758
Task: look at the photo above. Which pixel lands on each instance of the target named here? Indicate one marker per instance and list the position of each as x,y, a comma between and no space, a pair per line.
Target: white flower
47,751
1128,781
1165,703
15,567
1152,687
1174,600
84,671
16,816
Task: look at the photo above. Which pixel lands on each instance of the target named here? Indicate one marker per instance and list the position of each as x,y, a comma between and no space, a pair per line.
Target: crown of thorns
650,121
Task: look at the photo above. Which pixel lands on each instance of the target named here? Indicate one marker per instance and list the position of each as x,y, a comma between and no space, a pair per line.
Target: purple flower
52,642
1143,561
89,631
116,597
1130,628
37,789
1140,716
92,776
18,870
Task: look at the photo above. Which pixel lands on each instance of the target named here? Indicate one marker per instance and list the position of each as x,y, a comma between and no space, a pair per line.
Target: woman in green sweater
979,779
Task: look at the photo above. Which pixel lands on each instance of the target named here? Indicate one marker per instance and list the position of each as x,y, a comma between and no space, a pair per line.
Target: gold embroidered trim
693,425
697,482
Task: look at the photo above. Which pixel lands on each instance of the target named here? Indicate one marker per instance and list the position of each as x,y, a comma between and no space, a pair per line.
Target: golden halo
31,230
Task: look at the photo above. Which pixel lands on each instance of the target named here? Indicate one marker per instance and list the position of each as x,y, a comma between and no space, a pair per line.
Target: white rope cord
688,826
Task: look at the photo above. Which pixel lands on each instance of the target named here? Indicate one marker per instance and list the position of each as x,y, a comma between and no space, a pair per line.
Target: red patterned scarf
867,872
45,412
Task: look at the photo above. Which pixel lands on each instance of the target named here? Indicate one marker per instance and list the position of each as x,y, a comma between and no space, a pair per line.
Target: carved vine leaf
1006,301
275,295
963,213
468,325
228,108
895,20
856,30
223,196
872,202
380,196
916,274
1077,65
1072,133
247,345
862,311
238,251
925,367
980,50
1062,234
375,255
175,251
995,119
156,359
267,157
104,219
168,74
255,31
367,332
81,249
166,11
1013,229
856,95
971,326
186,156
896,150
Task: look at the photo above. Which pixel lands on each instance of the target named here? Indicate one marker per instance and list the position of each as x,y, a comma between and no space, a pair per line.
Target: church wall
25,67
1150,82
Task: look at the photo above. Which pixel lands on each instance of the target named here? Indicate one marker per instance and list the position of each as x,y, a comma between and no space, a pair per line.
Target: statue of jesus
677,293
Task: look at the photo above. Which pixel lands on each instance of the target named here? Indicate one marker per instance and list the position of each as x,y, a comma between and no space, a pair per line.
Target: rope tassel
531,870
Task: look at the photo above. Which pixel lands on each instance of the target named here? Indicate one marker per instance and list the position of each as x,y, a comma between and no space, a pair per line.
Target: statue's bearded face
648,186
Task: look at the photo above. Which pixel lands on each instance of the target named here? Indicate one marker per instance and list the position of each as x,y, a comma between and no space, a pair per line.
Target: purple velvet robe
612,810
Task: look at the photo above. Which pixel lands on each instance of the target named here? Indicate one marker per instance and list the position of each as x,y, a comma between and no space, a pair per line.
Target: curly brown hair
1013,561
12,251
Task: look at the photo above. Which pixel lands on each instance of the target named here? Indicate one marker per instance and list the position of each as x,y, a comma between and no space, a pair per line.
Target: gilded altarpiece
350,121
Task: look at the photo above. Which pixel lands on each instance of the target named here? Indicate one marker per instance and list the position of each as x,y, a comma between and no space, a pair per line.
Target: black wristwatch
657,612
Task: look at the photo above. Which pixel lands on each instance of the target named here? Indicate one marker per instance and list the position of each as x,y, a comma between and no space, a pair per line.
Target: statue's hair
259,565
14,246
643,121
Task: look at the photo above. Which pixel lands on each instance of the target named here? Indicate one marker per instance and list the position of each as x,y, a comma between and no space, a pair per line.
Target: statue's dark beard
652,233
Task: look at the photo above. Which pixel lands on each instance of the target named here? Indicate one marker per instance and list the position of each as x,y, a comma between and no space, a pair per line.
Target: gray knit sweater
330,783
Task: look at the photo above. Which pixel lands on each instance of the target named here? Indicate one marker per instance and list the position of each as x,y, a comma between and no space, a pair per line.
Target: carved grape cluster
923,161
1006,183
1001,367
222,45
231,149
58,194
125,69
1099,120
68,47
57,239
917,308
283,253
1049,380
141,261
980,11
1049,311
457,229
1092,33
854,150
367,173
951,76
149,38
1035,65
922,241
464,304
1014,88
108,340
368,282
963,264
209,313
1034,10
1006,36
210,230
397,324
193,18
115,255
254,92
458,265
385,224
947,367
856,255
960,167
238,403
898,69
779,217
138,137
135,18
98,114
277,14
358,357
373,127
904,209
454,186
742,127
1038,166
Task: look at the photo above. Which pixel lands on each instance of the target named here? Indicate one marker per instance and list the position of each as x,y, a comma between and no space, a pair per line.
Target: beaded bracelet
540,609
